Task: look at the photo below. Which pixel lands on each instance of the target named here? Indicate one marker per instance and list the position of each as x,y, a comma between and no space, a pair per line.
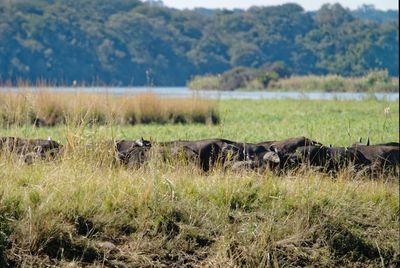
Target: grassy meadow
330,122
84,210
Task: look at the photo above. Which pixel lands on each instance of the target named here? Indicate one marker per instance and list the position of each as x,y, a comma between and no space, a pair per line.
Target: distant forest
131,43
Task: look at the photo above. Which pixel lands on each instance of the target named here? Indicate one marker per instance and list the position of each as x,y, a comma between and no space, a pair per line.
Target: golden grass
26,106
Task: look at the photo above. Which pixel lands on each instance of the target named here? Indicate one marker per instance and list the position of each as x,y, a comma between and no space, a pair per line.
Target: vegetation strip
276,78
43,108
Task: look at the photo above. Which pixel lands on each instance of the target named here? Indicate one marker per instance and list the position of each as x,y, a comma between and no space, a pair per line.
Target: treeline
127,42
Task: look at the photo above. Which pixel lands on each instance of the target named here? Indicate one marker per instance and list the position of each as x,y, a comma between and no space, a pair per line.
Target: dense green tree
348,46
128,42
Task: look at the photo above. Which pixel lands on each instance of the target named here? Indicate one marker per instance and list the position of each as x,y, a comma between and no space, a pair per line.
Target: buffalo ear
368,141
139,142
271,157
273,149
360,140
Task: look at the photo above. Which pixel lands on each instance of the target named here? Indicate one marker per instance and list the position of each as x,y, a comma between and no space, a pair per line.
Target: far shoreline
185,92
249,79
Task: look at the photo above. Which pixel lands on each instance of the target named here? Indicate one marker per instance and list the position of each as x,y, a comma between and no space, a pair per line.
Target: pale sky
306,4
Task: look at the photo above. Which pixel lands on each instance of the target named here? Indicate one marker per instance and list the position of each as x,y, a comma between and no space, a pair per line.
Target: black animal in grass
292,152
257,156
30,149
330,159
311,155
281,155
132,152
339,158
212,152
381,158
290,145
206,153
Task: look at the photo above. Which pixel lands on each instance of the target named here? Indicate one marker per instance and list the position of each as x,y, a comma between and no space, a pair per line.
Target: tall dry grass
41,107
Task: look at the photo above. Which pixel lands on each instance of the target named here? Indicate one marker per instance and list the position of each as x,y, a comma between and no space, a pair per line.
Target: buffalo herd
30,149
275,156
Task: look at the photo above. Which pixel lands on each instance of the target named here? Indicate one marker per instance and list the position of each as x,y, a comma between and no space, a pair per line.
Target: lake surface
212,94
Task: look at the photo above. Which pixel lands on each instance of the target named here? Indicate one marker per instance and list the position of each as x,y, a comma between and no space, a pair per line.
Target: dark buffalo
286,150
344,157
132,152
311,155
206,153
262,156
330,159
382,158
290,145
279,155
256,156
31,148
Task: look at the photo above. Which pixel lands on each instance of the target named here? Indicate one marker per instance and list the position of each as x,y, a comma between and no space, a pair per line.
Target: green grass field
330,122
83,210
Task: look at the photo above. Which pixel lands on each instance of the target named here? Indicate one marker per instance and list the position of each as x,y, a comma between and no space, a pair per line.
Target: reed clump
44,108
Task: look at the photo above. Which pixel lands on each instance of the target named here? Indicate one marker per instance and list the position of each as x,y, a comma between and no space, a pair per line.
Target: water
223,95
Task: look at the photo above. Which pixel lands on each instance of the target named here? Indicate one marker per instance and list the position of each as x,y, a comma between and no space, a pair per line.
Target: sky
306,4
